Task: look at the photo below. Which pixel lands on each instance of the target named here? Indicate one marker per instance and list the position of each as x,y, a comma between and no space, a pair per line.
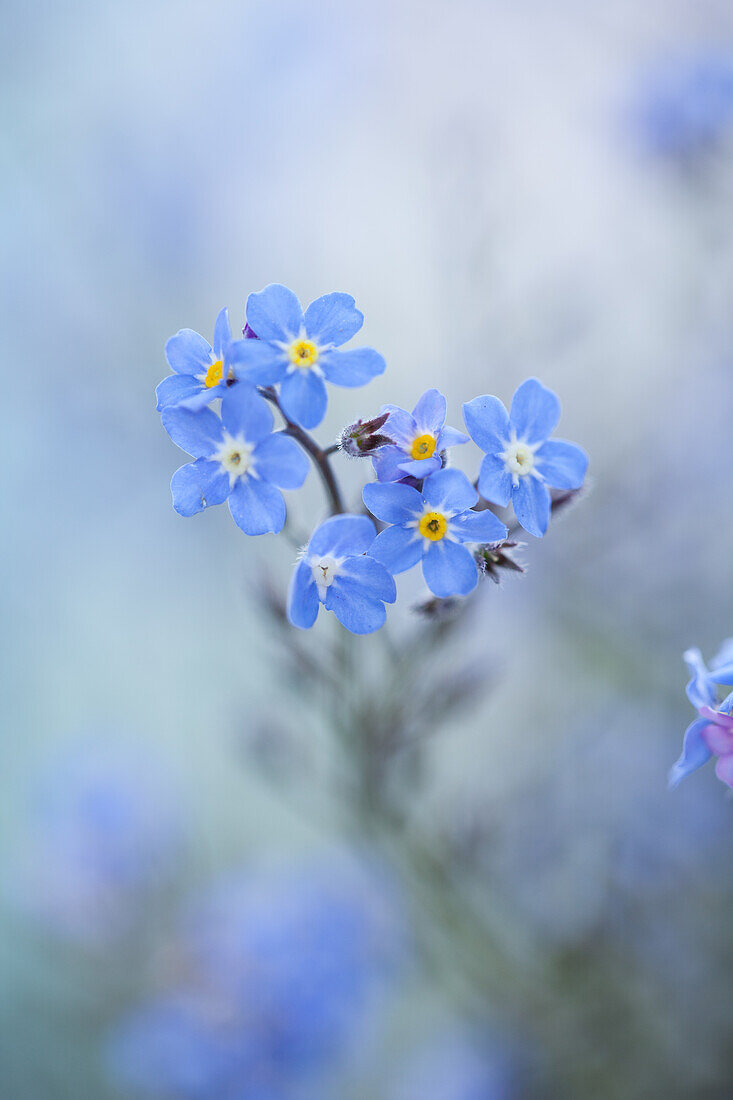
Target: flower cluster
424,511
712,733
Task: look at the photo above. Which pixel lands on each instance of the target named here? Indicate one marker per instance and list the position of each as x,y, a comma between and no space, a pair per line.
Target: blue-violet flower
521,462
201,372
433,526
419,437
711,733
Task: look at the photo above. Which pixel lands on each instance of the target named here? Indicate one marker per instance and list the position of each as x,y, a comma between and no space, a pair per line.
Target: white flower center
519,459
325,571
235,456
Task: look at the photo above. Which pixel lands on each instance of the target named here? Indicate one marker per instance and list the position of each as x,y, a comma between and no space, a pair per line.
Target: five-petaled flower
433,526
299,351
418,438
712,733
335,571
238,458
202,372
521,462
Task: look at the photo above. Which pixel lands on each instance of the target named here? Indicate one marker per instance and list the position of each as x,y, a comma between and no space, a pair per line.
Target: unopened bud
493,557
363,437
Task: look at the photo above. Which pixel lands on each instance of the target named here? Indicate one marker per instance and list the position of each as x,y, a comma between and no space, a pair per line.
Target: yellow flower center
433,526
423,446
214,374
303,354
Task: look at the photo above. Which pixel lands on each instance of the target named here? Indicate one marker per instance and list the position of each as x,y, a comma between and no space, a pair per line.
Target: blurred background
507,189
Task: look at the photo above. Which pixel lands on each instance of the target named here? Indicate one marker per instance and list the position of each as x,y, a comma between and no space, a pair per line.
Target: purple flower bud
363,437
492,558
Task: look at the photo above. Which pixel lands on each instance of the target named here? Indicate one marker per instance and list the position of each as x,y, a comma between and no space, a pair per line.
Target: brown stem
318,454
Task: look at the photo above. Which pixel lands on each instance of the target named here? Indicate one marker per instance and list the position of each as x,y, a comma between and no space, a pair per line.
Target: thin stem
318,454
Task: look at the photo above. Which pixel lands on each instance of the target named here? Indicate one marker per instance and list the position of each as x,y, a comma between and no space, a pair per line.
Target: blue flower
521,461
299,350
686,106
432,525
238,458
712,732
334,571
419,437
202,372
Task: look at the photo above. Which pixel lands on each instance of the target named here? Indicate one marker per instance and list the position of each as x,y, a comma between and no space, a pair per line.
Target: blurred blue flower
238,458
299,350
521,461
711,733
685,107
419,437
202,372
335,571
105,827
457,1065
432,525
282,970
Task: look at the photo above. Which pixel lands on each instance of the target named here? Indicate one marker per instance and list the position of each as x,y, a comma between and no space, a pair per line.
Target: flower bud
491,558
363,437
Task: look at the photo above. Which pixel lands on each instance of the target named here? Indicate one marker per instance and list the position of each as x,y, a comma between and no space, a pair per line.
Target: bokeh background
507,189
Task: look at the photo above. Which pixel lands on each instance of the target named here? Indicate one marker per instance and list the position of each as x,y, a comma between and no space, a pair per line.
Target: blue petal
367,575
222,333
256,362
244,412
274,313
257,507
176,388
488,423
358,613
280,460
450,437
303,397
342,536
721,666
419,467
495,481
198,433
188,353
562,465
397,548
535,412
332,319
204,397
531,501
477,527
198,485
400,426
449,491
352,368
695,753
302,597
387,463
429,413
700,690
449,569
392,503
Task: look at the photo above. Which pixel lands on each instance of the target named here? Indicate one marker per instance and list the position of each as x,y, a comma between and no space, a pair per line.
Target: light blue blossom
432,525
419,438
521,462
335,571
202,372
281,970
238,459
299,351
685,107
711,733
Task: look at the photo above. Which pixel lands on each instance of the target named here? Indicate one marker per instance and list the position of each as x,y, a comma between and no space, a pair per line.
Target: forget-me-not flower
238,458
335,571
521,462
419,437
433,526
201,372
712,733
300,351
